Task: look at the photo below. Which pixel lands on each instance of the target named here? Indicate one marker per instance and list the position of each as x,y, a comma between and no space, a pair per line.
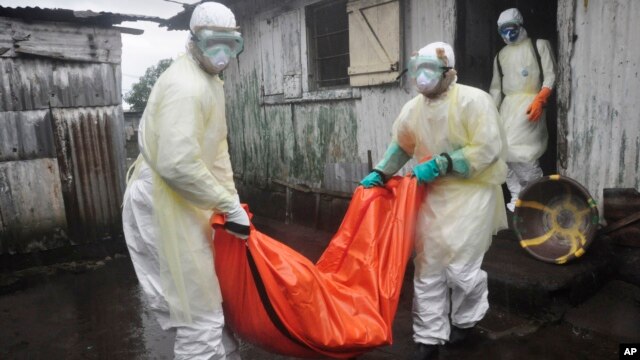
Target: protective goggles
429,65
211,42
509,30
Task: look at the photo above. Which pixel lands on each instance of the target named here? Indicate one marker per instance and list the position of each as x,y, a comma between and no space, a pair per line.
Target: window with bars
328,43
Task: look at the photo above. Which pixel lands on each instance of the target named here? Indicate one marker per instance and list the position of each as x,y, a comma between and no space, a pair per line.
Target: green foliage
140,91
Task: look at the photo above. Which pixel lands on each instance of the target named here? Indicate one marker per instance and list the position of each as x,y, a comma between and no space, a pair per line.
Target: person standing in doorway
523,79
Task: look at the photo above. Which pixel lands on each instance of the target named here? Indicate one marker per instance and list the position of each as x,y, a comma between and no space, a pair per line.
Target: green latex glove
371,180
393,160
427,171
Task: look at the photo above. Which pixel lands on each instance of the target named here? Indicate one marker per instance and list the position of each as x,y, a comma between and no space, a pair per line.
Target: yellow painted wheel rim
560,226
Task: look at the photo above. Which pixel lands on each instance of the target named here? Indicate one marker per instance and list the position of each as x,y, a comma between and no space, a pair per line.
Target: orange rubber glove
535,109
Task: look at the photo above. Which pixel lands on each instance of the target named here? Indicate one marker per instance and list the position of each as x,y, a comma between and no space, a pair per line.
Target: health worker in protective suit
455,127
523,78
182,176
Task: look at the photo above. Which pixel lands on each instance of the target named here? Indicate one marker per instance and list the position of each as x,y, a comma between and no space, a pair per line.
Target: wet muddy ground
96,311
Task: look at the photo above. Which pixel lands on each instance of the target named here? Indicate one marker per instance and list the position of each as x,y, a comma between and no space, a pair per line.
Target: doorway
477,42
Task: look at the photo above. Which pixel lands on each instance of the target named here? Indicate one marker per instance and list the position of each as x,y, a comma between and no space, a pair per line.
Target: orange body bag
340,307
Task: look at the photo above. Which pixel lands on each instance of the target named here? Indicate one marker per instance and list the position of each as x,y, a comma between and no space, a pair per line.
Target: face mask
426,84
219,60
427,71
509,33
427,81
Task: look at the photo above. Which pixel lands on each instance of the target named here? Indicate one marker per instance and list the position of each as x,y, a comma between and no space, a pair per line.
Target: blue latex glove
371,180
426,172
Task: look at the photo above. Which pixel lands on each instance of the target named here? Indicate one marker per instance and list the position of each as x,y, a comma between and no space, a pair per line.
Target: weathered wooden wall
291,145
599,131
61,135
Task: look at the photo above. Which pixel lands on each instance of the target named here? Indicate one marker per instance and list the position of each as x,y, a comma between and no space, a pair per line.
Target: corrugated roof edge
82,17
180,21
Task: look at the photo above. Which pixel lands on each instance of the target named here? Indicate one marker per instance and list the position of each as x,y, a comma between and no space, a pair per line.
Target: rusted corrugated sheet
603,119
60,41
72,198
29,84
61,132
32,213
90,151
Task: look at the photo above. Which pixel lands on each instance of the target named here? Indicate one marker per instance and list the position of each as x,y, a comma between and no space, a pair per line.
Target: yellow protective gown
463,118
183,139
526,140
460,215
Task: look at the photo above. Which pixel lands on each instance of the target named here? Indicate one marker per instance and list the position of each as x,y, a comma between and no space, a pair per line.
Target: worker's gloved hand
394,158
373,179
237,222
427,171
534,111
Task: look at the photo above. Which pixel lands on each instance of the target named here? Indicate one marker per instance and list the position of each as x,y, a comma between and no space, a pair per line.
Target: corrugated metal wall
90,152
61,135
600,94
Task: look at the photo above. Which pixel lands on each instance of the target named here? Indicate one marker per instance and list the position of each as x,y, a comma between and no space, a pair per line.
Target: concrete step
530,286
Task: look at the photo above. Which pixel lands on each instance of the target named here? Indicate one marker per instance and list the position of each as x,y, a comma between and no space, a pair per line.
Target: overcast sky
138,51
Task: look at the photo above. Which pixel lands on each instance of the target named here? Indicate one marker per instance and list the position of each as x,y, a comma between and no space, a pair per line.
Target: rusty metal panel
32,213
29,84
603,121
64,41
90,150
25,135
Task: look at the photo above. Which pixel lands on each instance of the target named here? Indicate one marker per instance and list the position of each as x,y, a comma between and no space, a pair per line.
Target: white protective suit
526,140
182,175
460,215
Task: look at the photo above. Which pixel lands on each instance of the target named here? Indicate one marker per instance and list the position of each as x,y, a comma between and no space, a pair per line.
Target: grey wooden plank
64,41
30,84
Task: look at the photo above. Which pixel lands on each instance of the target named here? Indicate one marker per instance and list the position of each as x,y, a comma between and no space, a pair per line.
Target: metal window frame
314,61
